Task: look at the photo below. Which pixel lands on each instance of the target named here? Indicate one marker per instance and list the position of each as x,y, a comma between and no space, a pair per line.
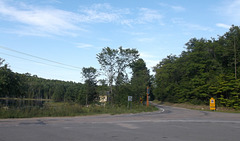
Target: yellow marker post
212,104
141,100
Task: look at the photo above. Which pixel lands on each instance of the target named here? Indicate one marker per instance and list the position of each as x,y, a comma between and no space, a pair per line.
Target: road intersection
167,124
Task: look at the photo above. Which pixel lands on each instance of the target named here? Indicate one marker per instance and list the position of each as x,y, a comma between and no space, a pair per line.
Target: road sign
141,100
129,98
212,104
148,91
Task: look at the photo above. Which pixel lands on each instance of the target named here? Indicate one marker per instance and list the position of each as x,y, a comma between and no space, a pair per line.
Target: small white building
103,98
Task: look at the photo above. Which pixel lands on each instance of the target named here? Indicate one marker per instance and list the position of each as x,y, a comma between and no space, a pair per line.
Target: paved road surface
167,124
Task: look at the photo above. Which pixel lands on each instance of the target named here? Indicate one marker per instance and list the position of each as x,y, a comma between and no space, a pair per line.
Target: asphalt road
167,124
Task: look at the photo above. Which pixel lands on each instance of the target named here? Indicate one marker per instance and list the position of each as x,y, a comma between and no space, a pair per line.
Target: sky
54,39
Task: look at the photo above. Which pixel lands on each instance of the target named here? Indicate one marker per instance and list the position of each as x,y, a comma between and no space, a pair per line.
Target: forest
117,85
207,68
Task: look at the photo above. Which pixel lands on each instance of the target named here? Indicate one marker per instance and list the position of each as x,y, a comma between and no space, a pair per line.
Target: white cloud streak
147,55
223,25
230,9
45,21
150,59
190,26
149,15
233,10
146,39
40,20
84,45
98,13
176,8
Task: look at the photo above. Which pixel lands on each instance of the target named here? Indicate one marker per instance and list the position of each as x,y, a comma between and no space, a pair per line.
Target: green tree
102,87
31,86
108,60
59,92
90,75
10,83
165,78
208,68
71,93
140,79
114,63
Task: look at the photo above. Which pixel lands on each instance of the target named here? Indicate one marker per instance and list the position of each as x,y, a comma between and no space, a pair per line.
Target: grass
198,107
7,98
54,109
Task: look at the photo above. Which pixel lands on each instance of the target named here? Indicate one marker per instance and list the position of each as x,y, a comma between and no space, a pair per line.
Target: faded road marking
129,126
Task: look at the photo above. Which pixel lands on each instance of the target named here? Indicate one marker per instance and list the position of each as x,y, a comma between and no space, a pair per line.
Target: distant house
103,98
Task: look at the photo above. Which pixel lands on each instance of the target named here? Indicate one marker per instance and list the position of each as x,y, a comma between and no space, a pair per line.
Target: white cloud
145,39
197,27
100,13
149,15
146,55
150,59
47,21
190,26
83,45
176,8
36,20
41,21
231,10
151,63
223,25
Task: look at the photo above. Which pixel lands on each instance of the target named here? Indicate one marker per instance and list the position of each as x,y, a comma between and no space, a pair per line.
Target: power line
9,49
38,62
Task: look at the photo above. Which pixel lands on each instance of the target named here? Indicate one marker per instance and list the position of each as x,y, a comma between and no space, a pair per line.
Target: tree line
15,85
207,68
116,65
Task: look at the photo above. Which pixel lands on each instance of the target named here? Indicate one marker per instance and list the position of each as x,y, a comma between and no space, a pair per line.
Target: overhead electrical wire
38,62
9,49
69,66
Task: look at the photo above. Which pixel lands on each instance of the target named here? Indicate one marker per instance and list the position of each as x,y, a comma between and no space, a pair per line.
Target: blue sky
71,32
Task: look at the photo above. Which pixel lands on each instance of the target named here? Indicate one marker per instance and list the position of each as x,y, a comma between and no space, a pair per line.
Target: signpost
212,104
129,98
141,100
129,101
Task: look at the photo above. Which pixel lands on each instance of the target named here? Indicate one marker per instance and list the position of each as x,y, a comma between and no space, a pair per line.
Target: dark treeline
15,85
208,68
117,85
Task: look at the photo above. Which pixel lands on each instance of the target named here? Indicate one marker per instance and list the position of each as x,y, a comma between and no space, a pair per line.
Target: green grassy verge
198,107
53,109
3,98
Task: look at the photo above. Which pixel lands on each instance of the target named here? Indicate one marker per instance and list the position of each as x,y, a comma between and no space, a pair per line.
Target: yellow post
212,104
141,100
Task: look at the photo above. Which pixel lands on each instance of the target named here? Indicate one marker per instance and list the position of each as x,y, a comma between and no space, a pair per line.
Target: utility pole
148,92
